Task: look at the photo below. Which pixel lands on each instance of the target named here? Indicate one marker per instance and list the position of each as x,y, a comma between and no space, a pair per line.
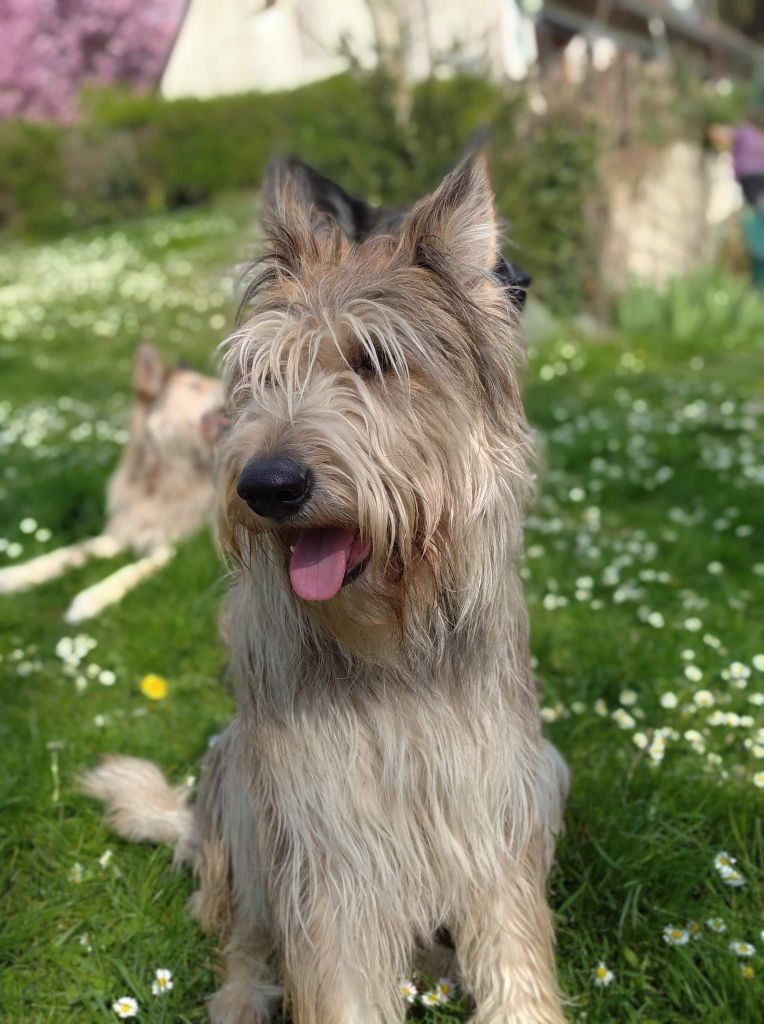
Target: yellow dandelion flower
747,971
154,687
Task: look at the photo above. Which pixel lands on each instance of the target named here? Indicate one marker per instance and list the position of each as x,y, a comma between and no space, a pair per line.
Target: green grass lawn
645,575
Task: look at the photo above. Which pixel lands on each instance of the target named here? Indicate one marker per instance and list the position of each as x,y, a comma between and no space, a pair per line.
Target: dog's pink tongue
319,563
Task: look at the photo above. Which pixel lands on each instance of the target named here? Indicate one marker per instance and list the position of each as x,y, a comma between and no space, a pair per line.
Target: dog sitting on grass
385,776
161,492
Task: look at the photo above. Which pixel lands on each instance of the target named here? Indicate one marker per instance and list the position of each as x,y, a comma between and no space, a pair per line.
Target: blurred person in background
748,148
747,145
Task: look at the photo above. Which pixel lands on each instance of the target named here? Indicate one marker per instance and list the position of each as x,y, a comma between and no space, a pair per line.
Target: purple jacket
747,150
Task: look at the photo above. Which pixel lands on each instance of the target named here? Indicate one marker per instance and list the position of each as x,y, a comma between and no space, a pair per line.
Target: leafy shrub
138,153
31,175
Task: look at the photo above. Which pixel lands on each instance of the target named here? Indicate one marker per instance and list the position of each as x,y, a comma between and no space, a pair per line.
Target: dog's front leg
250,994
92,601
505,947
16,578
328,994
334,978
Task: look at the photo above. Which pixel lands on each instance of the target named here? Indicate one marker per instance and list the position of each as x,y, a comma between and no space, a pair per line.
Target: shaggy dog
385,776
161,492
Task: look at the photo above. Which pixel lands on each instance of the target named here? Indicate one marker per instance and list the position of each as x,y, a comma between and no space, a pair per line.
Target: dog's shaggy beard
389,734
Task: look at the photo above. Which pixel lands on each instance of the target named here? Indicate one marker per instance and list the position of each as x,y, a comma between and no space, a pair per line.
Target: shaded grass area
645,574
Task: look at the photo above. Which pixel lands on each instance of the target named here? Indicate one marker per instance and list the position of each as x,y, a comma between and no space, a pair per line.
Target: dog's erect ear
149,372
456,226
288,179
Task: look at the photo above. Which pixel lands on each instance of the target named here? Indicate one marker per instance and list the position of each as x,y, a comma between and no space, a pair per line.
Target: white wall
229,46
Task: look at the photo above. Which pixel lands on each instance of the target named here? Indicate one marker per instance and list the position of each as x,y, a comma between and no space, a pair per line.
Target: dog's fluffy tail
142,806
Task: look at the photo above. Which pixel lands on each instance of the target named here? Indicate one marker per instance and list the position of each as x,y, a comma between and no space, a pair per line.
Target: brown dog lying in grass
160,492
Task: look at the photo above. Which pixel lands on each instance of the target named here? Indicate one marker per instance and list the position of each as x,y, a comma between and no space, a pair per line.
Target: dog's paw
86,605
14,578
238,1003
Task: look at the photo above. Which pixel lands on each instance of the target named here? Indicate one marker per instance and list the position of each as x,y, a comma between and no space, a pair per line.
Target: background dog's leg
93,600
39,570
505,948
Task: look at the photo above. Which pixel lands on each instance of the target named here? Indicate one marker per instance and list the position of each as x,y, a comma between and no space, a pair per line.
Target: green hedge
136,154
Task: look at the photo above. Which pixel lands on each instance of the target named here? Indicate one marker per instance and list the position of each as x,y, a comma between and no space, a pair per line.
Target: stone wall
668,212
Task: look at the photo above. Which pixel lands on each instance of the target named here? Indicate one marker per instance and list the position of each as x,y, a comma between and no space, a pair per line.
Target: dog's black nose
275,487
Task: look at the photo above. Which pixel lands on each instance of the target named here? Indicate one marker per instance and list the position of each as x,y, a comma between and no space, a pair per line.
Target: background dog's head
177,410
377,452
162,489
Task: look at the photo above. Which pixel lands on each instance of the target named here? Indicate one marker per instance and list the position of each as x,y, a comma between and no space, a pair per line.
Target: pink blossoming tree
49,49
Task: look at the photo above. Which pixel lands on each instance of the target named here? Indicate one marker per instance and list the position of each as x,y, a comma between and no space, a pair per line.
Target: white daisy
742,948
723,860
430,998
162,982
623,719
408,990
696,740
445,989
732,877
125,1007
716,924
675,936
602,975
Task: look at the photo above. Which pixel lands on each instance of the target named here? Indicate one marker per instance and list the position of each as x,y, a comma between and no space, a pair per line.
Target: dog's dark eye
367,366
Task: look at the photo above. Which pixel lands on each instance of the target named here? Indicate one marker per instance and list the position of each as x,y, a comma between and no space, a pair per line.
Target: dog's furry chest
409,796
